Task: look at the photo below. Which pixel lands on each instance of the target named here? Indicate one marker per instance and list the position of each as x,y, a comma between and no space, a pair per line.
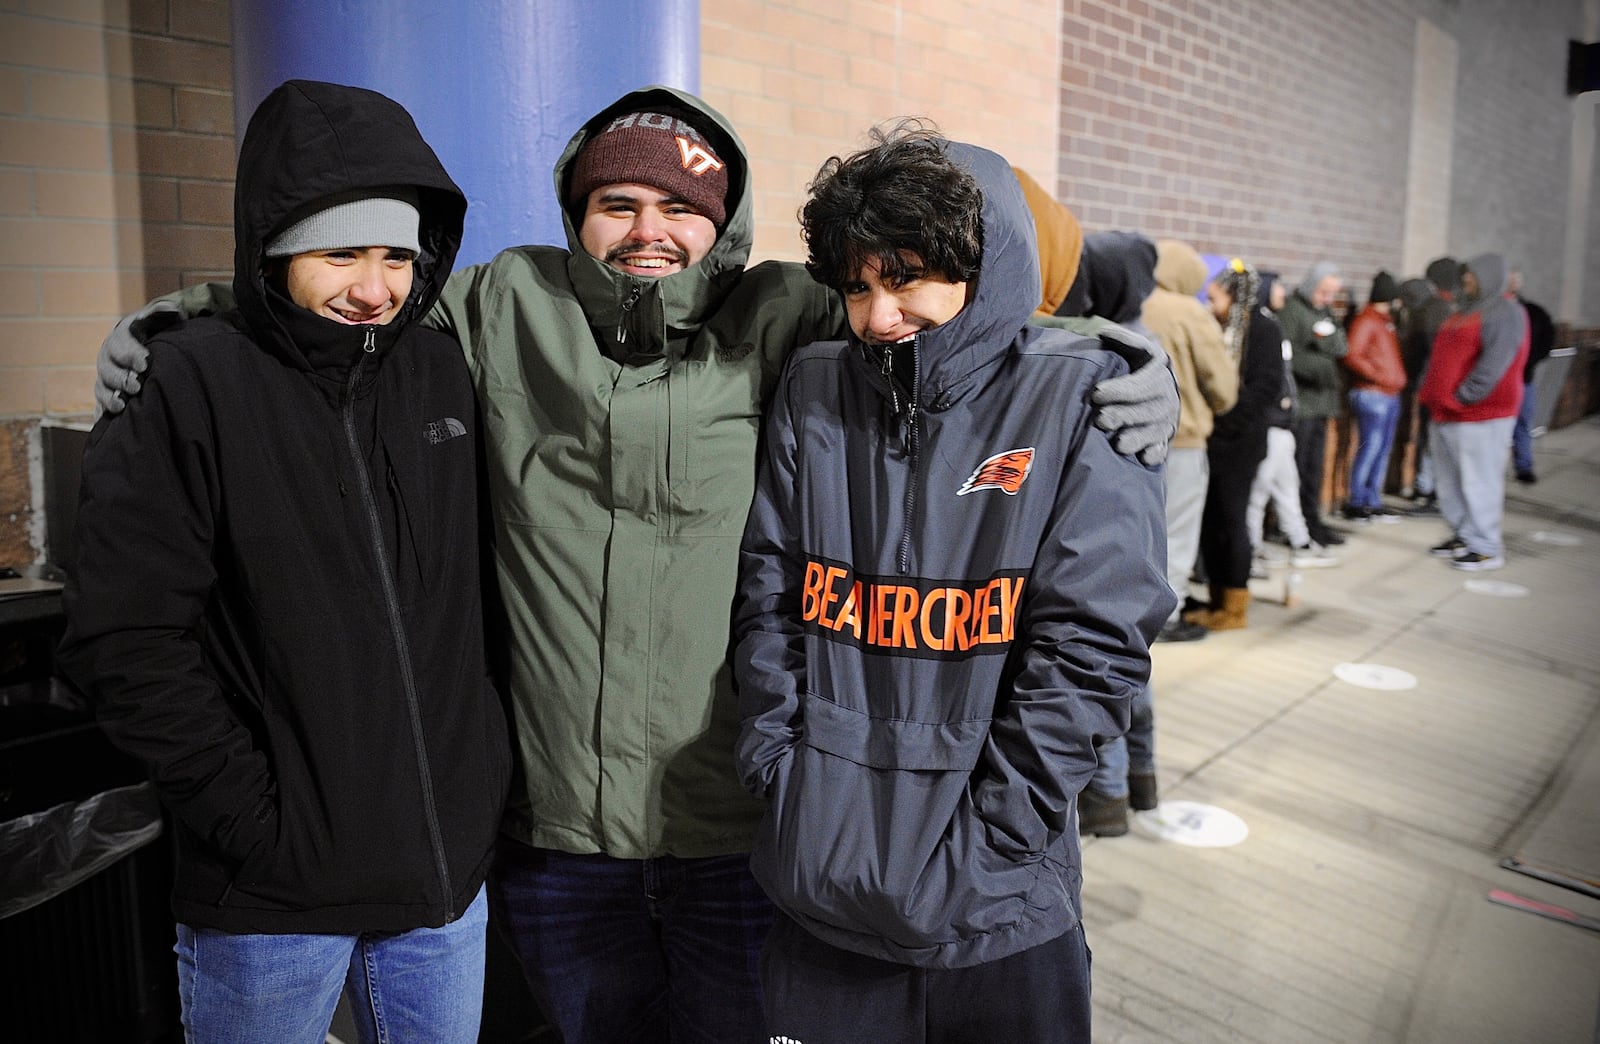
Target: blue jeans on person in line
424,984
662,949
1376,415
1133,751
1522,432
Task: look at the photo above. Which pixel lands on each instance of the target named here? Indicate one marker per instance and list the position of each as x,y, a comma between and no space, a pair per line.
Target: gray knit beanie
342,221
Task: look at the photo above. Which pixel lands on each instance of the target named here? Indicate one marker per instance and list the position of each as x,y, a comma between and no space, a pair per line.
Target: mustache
634,246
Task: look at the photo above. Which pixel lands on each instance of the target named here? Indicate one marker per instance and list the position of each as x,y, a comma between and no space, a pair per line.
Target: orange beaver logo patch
1003,471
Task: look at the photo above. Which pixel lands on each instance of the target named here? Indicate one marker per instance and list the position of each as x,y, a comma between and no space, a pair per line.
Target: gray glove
1139,409
123,356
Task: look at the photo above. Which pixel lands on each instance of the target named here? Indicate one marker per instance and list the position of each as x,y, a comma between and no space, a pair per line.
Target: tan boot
1229,613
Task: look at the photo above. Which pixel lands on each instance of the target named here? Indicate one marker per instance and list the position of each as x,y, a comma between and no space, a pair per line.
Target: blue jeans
1376,415
662,949
1134,751
425,984
1522,432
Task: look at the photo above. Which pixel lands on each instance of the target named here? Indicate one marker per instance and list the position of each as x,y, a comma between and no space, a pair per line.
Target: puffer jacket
947,594
275,603
1475,372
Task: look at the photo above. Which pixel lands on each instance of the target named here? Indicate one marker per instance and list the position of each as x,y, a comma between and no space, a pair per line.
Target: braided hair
1243,284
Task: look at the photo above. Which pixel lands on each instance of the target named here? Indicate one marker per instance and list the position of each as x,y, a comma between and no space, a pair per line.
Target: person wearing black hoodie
276,601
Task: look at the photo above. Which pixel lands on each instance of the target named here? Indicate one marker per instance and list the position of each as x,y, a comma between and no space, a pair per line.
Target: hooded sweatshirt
947,591
1208,380
621,419
1475,373
1317,343
1121,270
1060,244
276,599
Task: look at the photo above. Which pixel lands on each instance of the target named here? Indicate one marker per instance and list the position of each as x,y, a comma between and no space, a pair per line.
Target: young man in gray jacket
948,587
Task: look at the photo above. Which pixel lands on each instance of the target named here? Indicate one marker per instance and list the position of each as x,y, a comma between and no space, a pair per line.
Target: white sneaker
1312,556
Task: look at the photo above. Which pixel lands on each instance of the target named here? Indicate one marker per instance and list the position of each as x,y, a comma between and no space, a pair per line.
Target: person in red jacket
1473,389
1377,377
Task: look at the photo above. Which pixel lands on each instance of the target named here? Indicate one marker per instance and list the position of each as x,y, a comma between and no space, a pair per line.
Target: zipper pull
370,345
627,306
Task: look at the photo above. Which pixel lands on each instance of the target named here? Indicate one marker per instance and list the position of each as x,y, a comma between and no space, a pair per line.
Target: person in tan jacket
1208,384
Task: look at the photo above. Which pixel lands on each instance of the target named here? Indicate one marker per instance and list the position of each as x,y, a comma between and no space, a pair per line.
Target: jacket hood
1445,274
1122,273
663,310
1060,242
1491,272
1314,275
1179,267
310,140
1002,297
1269,279
1414,293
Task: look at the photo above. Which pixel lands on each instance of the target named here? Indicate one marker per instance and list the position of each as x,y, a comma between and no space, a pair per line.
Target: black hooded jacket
276,602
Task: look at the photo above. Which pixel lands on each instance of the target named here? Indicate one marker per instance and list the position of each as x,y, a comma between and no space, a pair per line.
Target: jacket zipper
634,294
396,625
913,413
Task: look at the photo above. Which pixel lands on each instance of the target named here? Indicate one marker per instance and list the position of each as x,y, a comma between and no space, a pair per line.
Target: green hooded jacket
619,492
1318,343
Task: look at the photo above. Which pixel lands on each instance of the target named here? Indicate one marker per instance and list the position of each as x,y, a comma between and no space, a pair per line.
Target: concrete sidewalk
1356,909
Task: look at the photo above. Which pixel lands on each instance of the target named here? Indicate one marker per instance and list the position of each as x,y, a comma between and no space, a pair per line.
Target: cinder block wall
116,168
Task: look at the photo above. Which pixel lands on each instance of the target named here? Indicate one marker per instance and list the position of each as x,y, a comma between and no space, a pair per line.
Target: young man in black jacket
276,604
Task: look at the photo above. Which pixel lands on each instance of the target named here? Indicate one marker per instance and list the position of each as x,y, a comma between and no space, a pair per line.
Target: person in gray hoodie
948,586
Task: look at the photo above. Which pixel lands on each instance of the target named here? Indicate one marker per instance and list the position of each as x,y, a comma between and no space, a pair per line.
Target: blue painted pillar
496,86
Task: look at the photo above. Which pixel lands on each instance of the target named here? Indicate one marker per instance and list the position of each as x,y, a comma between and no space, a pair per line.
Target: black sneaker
1386,515
1527,478
1102,815
1451,548
1424,506
1473,562
1326,537
1361,516
1182,631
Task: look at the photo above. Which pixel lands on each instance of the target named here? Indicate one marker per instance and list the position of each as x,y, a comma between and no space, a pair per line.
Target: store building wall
1377,133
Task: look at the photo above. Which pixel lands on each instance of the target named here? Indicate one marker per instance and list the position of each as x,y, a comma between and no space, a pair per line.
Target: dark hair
1243,284
902,195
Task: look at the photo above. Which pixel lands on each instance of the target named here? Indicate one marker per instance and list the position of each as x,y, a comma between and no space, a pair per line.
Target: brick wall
801,82
116,167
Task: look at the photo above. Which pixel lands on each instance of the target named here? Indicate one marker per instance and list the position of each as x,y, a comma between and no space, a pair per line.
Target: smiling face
642,231
886,312
353,284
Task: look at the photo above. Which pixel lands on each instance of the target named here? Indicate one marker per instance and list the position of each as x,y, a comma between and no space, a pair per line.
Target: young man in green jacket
622,382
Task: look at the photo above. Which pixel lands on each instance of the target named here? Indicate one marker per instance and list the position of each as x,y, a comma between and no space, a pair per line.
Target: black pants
1224,534
820,994
1310,450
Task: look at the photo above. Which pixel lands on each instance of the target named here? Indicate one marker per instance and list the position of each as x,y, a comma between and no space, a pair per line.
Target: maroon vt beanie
657,149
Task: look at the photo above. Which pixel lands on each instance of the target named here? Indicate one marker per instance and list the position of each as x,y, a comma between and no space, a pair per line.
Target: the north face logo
443,430
1003,471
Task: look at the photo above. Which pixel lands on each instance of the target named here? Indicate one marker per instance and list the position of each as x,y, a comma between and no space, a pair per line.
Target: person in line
1473,389
276,601
948,586
1277,478
1376,378
1238,443
1317,344
1208,384
1541,341
622,380
1423,321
